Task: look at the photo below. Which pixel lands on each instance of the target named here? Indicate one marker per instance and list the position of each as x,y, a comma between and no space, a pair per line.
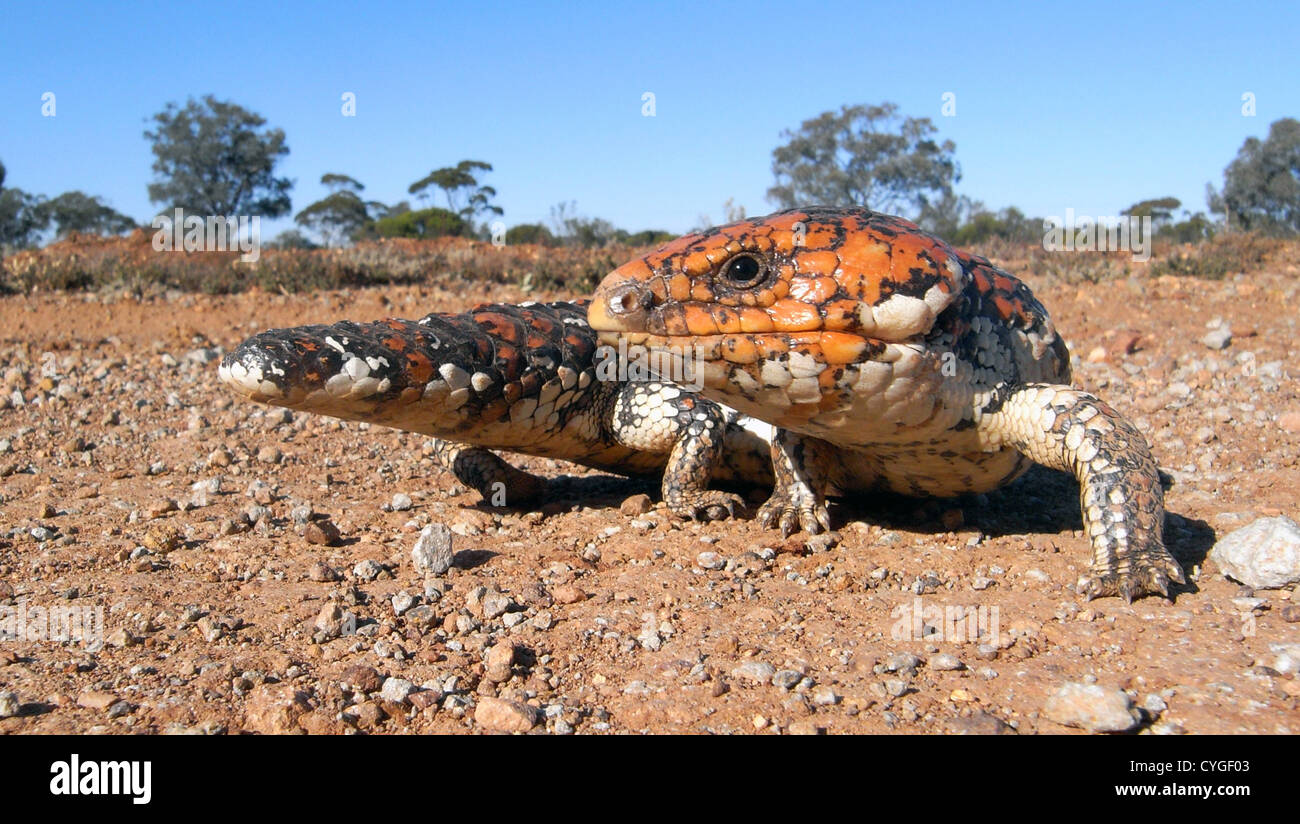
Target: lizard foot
1145,573
791,513
705,505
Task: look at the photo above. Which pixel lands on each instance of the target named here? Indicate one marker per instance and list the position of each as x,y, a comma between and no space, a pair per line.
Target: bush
1224,254
534,233
423,223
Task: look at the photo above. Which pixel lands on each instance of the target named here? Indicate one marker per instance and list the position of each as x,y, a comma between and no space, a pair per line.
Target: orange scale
794,316
701,292
814,290
696,262
679,287
770,346
816,263
699,320
755,320
410,394
838,347
861,285
840,315
727,320
739,349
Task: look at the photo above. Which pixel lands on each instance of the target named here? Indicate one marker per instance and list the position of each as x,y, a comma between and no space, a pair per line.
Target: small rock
500,660
495,604
1092,707
401,502
635,505
367,570
402,601
505,716
946,662
1289,421
568,594
756,671
824,696
321,532
432,553
322,572
396,690
274,709
980,723
710,560
95,700
787,679
1264,554
9,704
1218,338
363,679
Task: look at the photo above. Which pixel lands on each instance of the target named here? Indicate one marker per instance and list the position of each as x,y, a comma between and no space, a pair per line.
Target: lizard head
781,301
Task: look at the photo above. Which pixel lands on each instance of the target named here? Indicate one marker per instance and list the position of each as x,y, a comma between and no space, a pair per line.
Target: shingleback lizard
890,360
522,378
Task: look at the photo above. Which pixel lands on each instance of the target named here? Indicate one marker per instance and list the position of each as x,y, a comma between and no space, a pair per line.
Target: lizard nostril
629,300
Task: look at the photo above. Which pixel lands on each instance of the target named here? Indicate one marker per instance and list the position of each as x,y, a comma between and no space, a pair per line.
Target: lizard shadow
1043,502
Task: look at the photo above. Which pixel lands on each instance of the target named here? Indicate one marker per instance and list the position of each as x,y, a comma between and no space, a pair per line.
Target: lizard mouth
744,348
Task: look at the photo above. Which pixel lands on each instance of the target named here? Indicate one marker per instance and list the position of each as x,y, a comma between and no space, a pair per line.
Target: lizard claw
790,515
1148,576
708,505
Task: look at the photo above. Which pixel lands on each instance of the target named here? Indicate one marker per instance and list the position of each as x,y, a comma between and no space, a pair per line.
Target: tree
1160,210
78,212
341,215
22,216
863,156
422,223
1261,186
466,197
211,159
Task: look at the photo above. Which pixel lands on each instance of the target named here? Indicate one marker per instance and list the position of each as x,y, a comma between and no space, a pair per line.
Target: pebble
635,505
9,704
505,716
757,671
1092,707
1264,554
499,663
322,572
432,553
396,690
946,662
902,661
710,560
402,601
1218,338
824,696
401,502
495,604
322,532
367,570
787,679
1287,661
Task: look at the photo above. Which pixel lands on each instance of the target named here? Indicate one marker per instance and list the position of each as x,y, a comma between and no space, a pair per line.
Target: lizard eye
744,269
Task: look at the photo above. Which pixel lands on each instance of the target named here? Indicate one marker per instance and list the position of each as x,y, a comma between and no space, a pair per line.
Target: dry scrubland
131,481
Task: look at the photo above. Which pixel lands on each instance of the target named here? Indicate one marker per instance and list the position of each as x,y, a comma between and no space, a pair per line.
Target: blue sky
1091,107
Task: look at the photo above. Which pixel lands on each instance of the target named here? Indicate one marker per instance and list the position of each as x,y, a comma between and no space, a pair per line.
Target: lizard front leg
799,496
658,416
1119,483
